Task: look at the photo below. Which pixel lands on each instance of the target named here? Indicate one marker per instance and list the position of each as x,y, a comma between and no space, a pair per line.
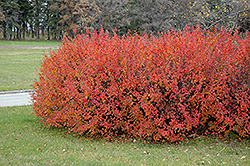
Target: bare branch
233,14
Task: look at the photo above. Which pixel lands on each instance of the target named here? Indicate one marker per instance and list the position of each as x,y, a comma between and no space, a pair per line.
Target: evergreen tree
25,13
2,18
37,15
53,19
10,23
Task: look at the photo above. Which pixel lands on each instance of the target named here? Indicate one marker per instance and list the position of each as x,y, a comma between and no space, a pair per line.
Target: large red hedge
155,88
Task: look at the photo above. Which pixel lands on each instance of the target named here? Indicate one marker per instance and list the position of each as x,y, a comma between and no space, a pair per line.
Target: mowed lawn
28,42
18,67
23,141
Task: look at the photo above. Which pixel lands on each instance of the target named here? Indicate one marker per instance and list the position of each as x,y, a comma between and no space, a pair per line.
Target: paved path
15,99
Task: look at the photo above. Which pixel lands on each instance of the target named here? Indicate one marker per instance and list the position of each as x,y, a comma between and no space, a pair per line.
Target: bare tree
76,14
113,14
224,13
155,15
144,15
85,13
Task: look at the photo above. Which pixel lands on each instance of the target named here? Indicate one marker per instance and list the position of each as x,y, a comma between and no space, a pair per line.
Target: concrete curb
16,91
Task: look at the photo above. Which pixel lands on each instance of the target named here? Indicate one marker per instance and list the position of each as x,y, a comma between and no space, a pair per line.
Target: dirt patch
30,47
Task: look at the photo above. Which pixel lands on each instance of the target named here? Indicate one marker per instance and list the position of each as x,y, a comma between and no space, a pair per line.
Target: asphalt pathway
15,99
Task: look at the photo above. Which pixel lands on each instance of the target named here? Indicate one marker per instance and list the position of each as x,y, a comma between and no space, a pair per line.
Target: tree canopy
56,17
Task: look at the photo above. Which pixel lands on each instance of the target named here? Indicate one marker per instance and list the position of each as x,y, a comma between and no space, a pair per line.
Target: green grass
18,67
29,42
23,141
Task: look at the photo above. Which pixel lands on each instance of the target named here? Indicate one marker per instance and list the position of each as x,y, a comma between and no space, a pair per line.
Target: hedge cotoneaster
161,89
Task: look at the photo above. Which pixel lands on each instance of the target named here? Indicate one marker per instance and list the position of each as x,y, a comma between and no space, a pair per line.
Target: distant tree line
56,17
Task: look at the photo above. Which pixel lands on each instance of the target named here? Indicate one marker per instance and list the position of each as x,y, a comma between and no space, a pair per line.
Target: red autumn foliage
155,88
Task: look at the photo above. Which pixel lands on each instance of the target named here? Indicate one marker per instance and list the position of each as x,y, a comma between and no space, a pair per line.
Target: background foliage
54,18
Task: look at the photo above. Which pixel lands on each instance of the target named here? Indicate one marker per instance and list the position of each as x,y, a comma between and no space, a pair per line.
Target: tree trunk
20,34
7,36
37,33
32,32
4,31
24,29
58,36
37,20
14,32
17,33
11,34
48,33
43,31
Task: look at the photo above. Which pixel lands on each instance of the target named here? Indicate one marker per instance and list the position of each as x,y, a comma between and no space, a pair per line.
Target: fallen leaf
243,157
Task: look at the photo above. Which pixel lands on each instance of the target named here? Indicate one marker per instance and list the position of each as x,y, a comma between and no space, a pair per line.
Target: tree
38,9
143,15
76,14
10,23
2,18
55,17
224,13
155,15
113,14
85,14
244,23
37,13
25,12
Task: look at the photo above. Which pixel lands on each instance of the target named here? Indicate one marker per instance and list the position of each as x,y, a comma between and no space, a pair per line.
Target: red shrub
156,88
